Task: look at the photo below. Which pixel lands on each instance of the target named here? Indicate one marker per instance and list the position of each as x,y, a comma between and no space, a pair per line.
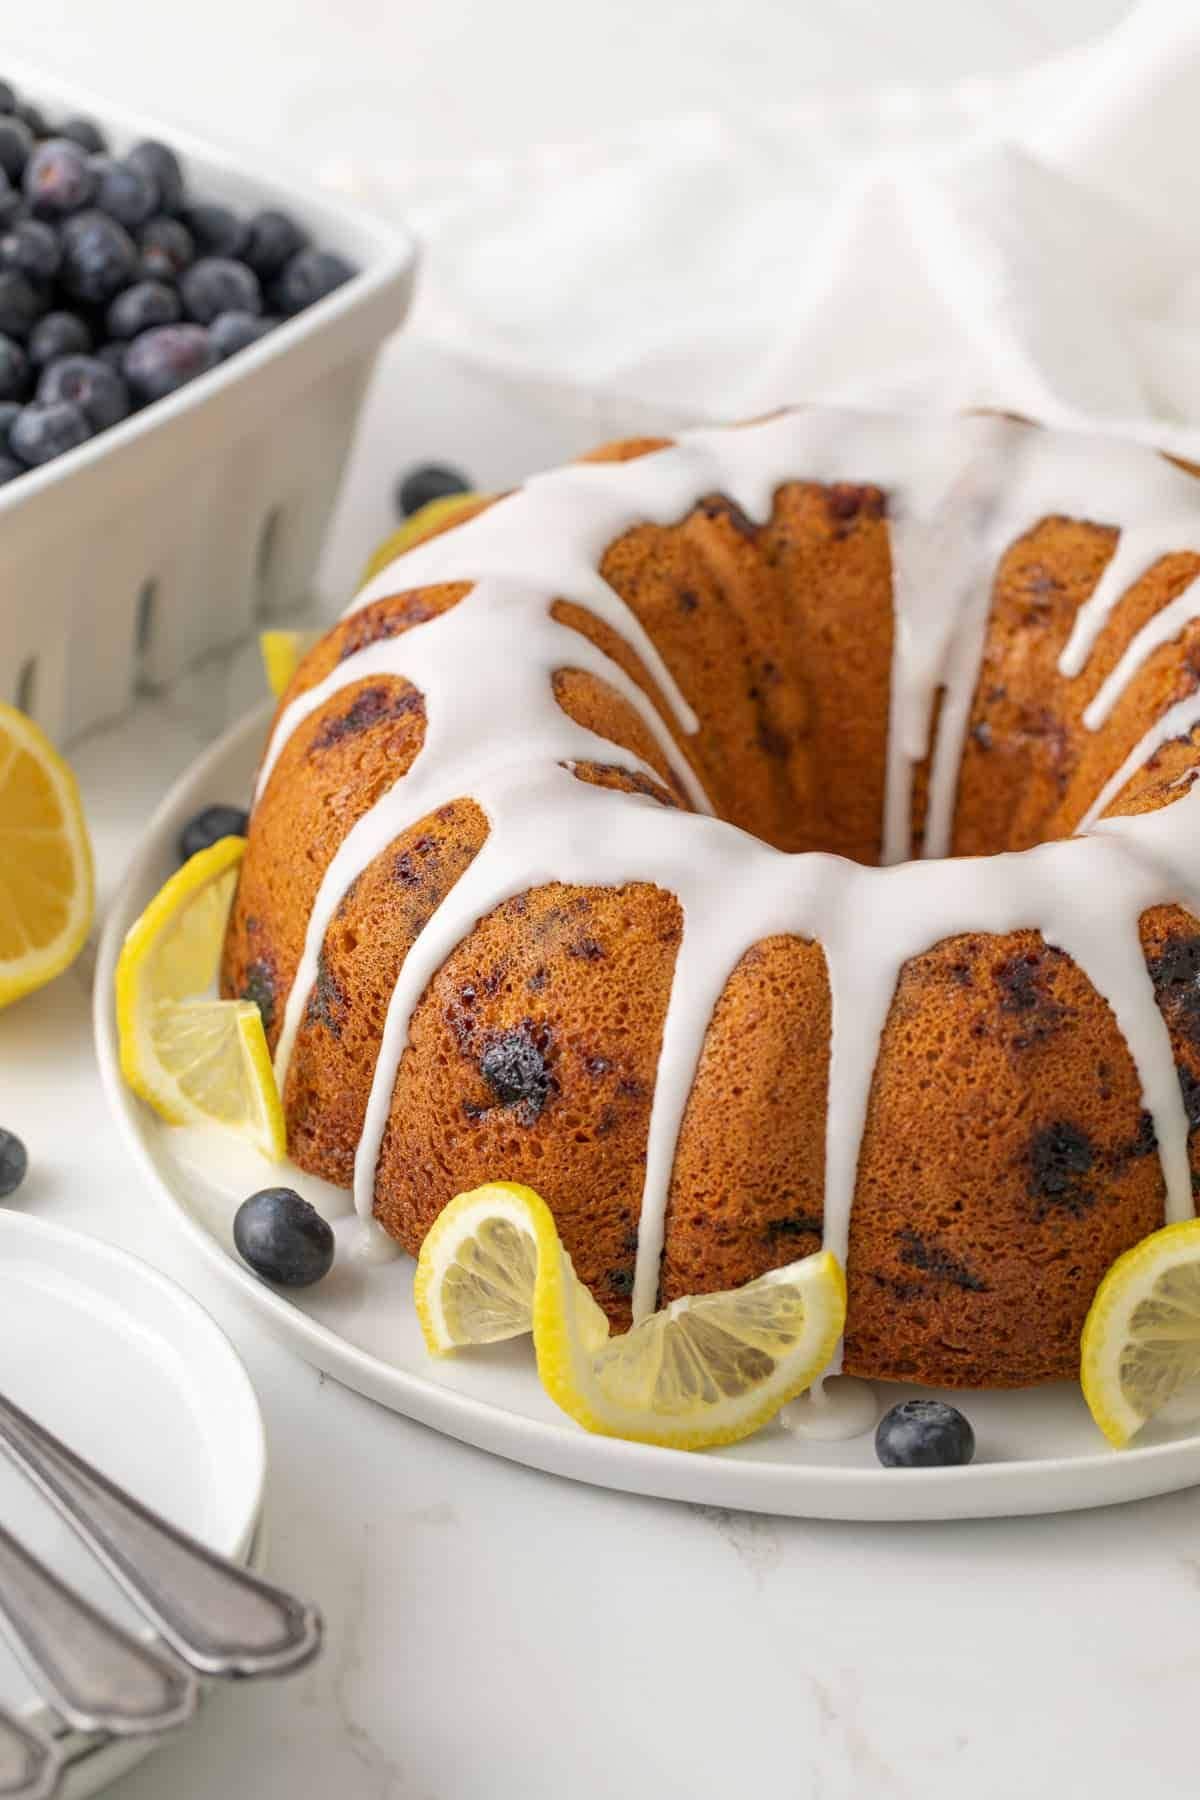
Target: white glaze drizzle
959,491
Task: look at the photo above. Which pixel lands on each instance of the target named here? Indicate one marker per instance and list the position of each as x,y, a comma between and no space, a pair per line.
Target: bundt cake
779,834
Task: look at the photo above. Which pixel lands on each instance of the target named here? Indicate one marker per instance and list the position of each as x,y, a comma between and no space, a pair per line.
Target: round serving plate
131,1372
1038,1450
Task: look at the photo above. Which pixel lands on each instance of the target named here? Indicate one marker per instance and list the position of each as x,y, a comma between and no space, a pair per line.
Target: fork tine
221,1619
30,1766
98,1676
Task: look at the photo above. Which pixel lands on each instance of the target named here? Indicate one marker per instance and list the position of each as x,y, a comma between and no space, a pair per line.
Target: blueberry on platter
14,1163
924,1434
209,826
283,1238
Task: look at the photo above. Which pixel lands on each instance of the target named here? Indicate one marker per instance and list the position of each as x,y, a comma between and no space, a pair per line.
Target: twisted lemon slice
196,1060
706,1370
45,860
1141,1340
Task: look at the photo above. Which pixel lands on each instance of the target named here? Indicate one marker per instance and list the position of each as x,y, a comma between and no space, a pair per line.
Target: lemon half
195,1059
46,889
703,1371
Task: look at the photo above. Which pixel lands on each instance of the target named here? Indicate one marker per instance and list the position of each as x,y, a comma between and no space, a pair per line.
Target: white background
495,1634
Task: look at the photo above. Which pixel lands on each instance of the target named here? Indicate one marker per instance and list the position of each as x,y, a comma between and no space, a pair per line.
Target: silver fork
215,1618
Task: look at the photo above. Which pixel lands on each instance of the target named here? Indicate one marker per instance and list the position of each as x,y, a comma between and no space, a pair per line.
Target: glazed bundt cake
779,835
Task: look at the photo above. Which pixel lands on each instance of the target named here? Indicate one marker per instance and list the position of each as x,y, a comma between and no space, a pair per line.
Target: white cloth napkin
1032,244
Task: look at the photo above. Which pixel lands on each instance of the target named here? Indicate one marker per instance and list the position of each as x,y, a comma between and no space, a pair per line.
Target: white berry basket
172,534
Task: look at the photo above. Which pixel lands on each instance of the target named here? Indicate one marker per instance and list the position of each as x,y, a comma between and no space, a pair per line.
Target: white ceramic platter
1038,1451
135,1375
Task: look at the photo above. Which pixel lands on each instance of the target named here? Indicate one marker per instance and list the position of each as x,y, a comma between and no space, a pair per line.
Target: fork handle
98,1676
221,1619
30,1766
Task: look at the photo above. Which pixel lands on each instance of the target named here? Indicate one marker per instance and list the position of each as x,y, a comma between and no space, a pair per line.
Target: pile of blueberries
117,287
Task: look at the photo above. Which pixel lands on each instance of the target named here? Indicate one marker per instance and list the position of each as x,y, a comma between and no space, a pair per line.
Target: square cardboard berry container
172,534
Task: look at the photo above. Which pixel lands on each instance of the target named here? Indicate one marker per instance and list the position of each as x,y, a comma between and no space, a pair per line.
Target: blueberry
144,304
44,432
210,826
33,116
33,247
215,285
167,249
283,1238
99,257
216,230
124,192
20,303
58,178
14,1163
924,1434
10,468
12,202
272,239
16,146
14,370
234,331
58,334
8,98
91,385
8,417
84,133
307,277
162,166
162,360
431,481
113,356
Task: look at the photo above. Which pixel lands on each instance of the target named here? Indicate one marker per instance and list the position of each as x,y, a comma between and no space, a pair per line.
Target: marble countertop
495,1633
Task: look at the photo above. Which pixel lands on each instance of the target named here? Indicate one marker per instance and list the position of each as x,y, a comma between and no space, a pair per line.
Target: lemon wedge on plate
435,515
282,653
196,1060
1141,1340
707,1370
46,892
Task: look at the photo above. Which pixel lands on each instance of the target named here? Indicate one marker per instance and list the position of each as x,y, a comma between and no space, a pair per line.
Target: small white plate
1038,1450
131,1372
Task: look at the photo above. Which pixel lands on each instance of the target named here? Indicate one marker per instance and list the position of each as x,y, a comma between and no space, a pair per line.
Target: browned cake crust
1006,1159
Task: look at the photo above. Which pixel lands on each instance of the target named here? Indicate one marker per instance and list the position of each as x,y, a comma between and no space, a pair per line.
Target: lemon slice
46,892
196,1060
1141,1339
428,518
703,1371
282,653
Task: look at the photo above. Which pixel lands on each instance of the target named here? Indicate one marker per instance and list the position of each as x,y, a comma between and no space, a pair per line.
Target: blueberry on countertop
431,481
33,247
234,331
14,370
126,193
283,1238
217,284
58,178
163,167
210,826
308,277
167,248
58,334
138,308
160,361
91,385
42,432
16,146
85,133
924,1434
99,257
14,1163
272,239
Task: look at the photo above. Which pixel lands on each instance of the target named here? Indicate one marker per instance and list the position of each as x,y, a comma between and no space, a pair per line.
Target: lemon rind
24,975
1106,1332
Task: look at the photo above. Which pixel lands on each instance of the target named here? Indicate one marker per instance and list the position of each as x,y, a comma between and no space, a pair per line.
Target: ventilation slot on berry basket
264,562
144,630
25,693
